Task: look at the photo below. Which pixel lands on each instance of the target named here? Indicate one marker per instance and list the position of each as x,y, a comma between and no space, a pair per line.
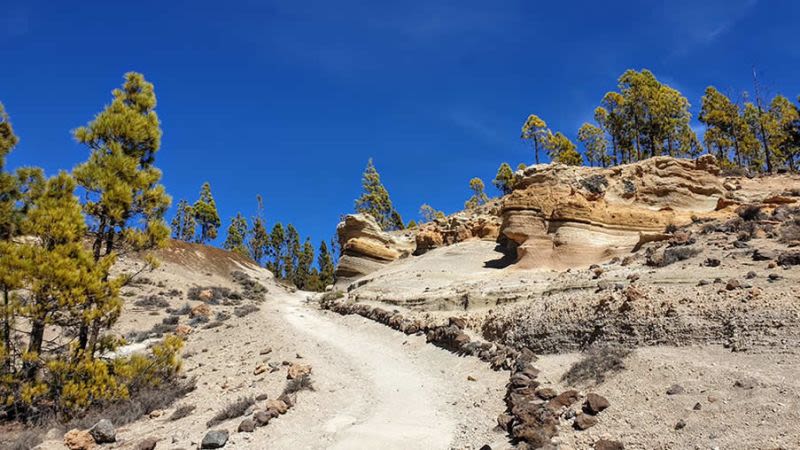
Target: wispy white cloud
695,25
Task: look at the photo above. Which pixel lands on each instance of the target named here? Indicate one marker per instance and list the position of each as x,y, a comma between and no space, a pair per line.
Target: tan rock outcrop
366,248
457,228
563,216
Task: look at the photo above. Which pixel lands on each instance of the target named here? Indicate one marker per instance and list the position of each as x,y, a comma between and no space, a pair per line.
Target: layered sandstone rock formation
456,228
366,248
565,216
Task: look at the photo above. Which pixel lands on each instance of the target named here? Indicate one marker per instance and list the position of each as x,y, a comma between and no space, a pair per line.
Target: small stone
261,368
546,393
277,405
504,421
261,397
247,426
675,389
471,378
103,432
262,418
605,444
215,439
733,284
712,399
595,403
565,398
750,275
265,351
147,444
584,421
156,413
680,425
697,406
748,383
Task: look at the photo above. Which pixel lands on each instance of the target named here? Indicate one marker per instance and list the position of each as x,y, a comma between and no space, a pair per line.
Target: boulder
296,370
247,426
595,403
79,440
278,406
147,444
605,444
103,432
262,418
215,439
584,421
201,310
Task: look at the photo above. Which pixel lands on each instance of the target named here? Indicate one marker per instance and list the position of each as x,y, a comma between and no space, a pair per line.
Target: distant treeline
645,118
279,251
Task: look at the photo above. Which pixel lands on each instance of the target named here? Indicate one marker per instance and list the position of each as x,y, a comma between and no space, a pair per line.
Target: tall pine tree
237,233
120,182
206,215
375,200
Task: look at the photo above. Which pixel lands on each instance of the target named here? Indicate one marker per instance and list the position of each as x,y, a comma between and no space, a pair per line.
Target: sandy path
401,410
377,388
374,387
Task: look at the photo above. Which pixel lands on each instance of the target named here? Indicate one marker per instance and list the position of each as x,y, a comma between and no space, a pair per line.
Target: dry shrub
232,411
152,301
301,383
241,311
597,363
184,310
182,411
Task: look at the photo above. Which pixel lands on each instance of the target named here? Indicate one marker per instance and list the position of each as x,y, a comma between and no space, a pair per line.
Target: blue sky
290,99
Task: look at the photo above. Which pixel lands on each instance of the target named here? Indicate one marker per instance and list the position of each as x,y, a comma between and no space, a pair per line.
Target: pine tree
535,130
258,242
184,224
375,199
292,253
504,180
120,181
783,116
325,264
305,259
276,250
412,225
206,215
67,286
594,143
237,233
478,195
562,150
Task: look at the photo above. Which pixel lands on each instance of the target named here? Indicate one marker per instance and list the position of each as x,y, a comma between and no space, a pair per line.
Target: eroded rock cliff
565,216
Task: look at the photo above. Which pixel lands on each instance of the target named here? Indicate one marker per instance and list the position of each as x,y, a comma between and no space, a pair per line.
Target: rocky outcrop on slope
564,216
456,228
366,248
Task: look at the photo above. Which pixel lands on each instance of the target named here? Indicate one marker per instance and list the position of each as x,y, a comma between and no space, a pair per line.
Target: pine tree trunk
34,346
6,330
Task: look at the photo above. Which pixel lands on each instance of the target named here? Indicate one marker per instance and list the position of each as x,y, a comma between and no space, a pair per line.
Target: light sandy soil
763,414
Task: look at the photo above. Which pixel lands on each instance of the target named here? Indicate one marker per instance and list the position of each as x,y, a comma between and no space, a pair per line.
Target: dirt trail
389,390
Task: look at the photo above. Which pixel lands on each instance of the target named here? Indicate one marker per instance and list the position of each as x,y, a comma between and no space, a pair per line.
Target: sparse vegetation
181,412
597,364
301,383
152,301
241,311
232,411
